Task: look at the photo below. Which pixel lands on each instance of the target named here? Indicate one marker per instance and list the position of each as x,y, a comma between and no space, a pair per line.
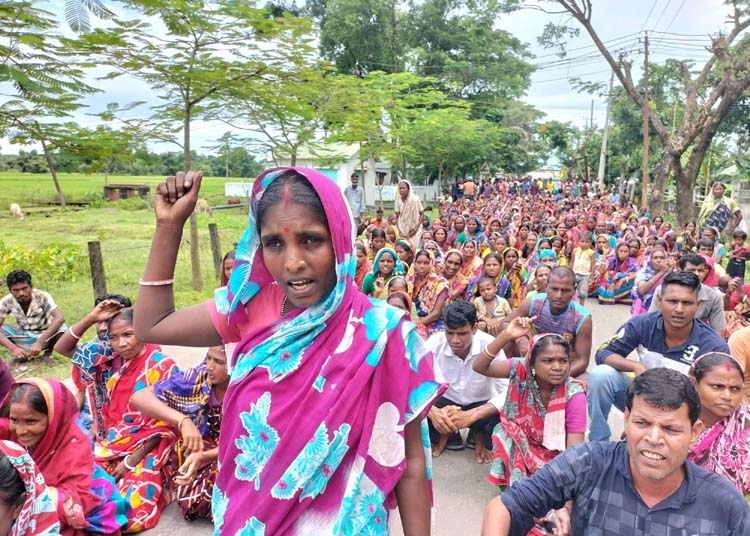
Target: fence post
213,233
97,269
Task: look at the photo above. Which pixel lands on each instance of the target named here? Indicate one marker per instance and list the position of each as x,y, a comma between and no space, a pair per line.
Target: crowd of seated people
497,284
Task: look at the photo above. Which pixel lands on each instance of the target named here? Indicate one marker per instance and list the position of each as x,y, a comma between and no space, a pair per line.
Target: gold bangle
179,424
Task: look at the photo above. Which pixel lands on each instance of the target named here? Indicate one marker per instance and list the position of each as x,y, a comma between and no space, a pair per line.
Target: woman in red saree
136,449
26,508
544,411
43,415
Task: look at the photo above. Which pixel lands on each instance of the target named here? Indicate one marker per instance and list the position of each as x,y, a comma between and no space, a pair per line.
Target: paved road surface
460,485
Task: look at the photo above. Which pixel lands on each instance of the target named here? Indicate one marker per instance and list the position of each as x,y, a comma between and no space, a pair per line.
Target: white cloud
550,90
613,20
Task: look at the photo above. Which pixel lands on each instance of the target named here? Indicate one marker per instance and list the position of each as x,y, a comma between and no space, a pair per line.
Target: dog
16,211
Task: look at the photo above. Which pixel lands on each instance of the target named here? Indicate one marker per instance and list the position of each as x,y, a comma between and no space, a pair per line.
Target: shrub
55,262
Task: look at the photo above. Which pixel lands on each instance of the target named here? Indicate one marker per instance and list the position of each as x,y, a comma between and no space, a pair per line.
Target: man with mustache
643,485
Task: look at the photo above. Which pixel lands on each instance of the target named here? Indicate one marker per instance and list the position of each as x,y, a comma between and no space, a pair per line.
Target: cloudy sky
621,25
680,30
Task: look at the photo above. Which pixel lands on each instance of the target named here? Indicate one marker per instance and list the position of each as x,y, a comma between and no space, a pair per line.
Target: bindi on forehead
286,230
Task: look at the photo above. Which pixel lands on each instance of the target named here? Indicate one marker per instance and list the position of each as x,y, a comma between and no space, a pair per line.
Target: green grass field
125,236
29,189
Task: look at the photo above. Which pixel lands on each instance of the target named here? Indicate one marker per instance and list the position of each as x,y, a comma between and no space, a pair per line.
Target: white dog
15,210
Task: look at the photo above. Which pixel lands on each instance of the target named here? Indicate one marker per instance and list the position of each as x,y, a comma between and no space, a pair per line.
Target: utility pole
644,186
603,152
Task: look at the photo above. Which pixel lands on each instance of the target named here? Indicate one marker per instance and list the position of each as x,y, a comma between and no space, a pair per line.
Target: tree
708,93
209,50
360,34
224,146
457,42
107,148
285,112
450,141
43,85
77,13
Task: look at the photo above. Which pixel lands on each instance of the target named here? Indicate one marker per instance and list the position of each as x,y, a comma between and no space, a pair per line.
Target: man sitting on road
39,321
643,485
710,300
472,400
557,311
93,361
671,338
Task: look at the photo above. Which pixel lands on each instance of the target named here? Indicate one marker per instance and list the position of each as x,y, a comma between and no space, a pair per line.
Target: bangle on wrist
179,424
127,466
73,334
156,283
488,354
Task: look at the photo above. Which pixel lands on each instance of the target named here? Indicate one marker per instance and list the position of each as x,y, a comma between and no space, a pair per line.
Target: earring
533,372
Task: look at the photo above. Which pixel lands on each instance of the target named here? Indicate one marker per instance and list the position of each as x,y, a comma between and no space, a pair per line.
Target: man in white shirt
355,196
472,401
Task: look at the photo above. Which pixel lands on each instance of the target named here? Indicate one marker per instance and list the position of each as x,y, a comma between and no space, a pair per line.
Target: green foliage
457,42
362,33
77,13
58,262
132,204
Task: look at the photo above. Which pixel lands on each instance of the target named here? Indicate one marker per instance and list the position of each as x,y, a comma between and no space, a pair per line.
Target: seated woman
136,450
191,400
492,267
364,266
377,242
26,508
544,411
457,282
724,443
538,281
385,266
648,279
616,283
42,419
515,273
405,252
429,292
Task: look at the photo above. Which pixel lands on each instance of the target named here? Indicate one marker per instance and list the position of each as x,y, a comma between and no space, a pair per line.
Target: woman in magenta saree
323,416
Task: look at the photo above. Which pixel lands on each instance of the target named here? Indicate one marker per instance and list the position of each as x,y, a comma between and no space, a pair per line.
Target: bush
94,200
55,262
133,203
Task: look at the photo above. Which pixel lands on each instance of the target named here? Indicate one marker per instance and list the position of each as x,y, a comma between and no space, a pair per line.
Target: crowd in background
495,278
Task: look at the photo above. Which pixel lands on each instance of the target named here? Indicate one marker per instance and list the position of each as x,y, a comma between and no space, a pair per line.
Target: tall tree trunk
392,44
440,179
53,172
659,184
684,183
195,251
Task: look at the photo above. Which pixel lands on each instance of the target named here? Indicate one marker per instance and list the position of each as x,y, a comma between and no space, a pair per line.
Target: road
460,485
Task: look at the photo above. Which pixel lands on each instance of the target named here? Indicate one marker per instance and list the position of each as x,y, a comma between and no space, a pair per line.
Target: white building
339,160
